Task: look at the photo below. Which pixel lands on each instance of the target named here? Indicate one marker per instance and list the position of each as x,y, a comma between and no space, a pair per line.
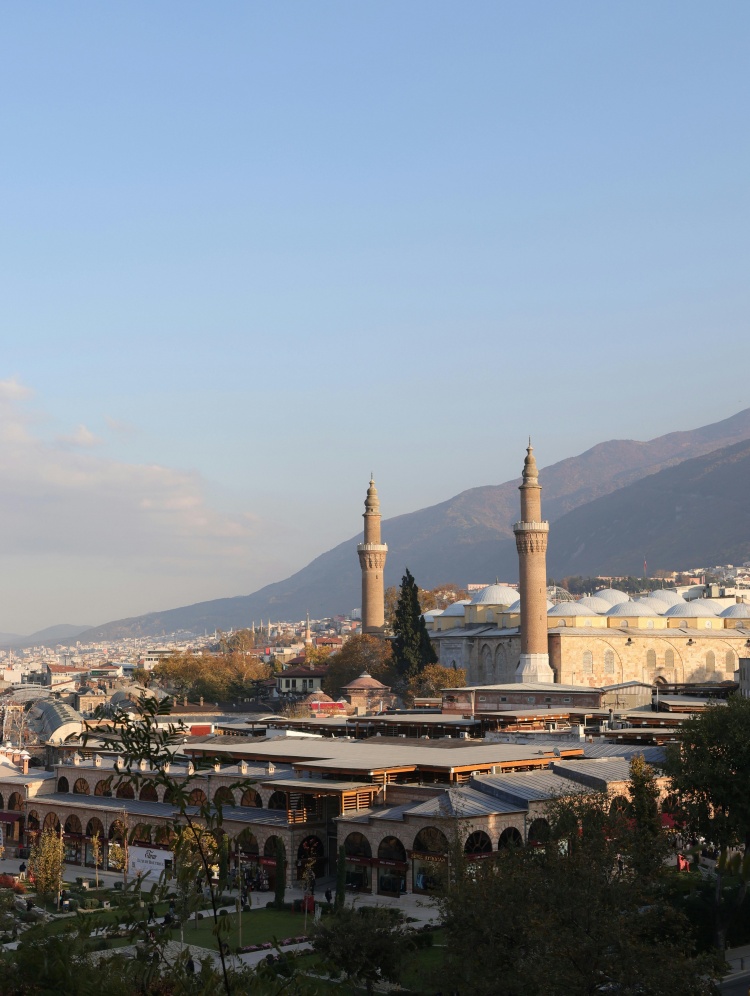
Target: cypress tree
412,648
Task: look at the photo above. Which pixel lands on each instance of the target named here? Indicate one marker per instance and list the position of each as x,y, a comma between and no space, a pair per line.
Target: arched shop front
358,855
391,866
429,859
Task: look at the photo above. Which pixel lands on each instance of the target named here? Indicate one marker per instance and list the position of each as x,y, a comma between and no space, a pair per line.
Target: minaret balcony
531,527
372,547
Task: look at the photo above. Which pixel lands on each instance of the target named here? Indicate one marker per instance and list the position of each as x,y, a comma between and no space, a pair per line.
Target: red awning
10,817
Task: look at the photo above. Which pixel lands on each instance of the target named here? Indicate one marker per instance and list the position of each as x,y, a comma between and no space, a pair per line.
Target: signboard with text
148,861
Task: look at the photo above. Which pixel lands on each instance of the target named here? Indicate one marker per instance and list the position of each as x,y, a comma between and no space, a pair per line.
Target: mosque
506,635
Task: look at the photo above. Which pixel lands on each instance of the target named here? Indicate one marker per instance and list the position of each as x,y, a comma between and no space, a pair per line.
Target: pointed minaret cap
530,472
372,502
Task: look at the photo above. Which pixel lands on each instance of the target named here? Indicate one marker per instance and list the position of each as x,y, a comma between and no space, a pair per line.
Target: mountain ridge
465,538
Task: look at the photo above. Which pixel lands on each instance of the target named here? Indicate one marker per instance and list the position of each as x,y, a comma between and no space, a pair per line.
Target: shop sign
268,861
148,861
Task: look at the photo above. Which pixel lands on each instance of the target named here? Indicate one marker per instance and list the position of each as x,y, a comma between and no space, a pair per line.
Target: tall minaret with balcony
372,554
531,543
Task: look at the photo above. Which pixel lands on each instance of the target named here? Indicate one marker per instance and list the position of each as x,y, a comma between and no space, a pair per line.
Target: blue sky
249,252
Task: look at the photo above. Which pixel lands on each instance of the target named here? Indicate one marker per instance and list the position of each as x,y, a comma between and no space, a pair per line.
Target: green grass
258,926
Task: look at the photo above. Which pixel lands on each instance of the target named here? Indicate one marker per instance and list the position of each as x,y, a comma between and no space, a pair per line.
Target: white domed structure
631,609
495,594
739,611
697,609
598,605
457,608
656,604
612,595
516,606
569,609
667,595
430,614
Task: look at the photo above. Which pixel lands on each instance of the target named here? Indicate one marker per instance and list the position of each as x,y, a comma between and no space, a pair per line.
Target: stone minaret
308,634
531,543
372,554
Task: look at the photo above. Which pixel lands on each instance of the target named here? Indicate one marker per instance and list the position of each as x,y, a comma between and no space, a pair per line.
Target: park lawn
258,927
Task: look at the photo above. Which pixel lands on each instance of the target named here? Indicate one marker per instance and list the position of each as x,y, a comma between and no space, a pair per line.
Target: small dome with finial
530,471
372,502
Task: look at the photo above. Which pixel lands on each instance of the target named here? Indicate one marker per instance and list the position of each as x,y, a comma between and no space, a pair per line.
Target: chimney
24,758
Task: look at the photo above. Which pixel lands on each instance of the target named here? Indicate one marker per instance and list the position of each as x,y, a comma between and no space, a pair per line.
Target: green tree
710,773
412,648
559,920
340,878
367,945
649,846
280,889
46,862
359,653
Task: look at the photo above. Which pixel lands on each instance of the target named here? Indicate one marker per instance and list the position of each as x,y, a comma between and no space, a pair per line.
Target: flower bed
269,945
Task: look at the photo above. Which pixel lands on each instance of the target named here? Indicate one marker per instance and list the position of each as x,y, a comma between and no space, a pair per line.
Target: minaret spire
372,553
531,543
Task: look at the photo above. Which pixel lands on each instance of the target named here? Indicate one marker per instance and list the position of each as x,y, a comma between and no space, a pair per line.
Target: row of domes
606,602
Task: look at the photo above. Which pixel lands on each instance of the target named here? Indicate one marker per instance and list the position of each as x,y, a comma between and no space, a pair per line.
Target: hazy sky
251,251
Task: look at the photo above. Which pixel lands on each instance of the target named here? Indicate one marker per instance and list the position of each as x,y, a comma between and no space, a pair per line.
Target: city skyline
250,255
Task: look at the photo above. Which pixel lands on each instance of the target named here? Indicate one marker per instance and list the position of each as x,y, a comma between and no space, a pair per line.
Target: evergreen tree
412,648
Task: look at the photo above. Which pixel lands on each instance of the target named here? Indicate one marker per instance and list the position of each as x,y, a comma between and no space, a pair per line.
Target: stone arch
248,842
478,842
51,822
539,832
311,849
587,662
669,658
104,788
730,661
125,791
269,848
488,671
15,803
391,849
117,831
251,799
140,834
430,840
81,787
510,838
710,662
609,662
149,793
73,825
223,796
165,835
277,801
620,806
32,821
2,801
95,826
63,785
357,845
197,797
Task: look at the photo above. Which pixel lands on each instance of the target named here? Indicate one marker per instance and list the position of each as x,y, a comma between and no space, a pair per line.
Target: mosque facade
503,635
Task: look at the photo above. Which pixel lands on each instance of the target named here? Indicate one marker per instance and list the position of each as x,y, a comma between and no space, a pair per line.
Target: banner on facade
148,861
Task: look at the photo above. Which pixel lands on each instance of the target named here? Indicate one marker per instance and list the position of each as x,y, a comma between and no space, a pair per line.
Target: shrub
7,881
19,888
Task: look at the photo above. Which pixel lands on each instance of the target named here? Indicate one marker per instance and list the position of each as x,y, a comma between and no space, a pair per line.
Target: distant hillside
467,538
50,635
692,515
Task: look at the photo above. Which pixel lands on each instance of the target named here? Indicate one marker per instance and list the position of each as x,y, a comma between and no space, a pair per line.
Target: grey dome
612,595
739,611
697,609
596,604
516,606
570,609
457,608
667,595
659,606
632,609
495,594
